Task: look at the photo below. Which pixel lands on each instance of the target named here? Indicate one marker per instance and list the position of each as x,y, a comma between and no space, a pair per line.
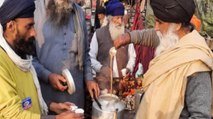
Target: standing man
101,43
20,94
101,12
62,43
178,83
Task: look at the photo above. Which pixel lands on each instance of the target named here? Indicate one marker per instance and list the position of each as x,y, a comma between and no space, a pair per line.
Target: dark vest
104,44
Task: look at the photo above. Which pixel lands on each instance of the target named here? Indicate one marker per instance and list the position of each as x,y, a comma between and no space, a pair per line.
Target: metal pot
112,107
138,97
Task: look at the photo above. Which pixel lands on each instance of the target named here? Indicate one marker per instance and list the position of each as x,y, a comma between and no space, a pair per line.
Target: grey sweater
198,97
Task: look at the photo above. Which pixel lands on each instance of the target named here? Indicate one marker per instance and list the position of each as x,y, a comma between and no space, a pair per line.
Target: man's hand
70,115
92,85
122,40
60,107
125,72
56,81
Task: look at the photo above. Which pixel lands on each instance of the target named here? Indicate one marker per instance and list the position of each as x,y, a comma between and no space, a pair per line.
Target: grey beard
60,14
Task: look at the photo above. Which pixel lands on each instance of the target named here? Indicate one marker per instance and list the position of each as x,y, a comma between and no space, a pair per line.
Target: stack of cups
76,109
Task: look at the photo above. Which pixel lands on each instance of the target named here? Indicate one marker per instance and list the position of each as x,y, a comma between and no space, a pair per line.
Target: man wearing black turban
20,94
178,83
176,11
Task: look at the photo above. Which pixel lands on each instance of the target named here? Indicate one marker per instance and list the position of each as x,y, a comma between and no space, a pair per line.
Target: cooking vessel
112,107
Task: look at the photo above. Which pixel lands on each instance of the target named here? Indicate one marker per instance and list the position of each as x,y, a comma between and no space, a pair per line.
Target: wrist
49,77
53,106
126,38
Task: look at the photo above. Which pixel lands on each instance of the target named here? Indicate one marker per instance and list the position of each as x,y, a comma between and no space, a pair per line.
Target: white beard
116,30
167,40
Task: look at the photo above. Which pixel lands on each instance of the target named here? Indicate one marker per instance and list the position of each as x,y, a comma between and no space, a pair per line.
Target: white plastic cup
123,72
73,107
79,110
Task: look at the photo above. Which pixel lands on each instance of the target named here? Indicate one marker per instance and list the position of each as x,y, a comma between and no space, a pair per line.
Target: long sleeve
40,12
132,57
41,71
96,65
87,61
48,116
146,37
198,97
10,100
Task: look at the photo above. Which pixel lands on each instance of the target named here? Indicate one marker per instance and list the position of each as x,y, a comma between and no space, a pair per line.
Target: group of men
178,83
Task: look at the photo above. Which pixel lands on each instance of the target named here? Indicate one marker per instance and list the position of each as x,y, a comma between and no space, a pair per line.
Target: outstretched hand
121,40
70,115
60,107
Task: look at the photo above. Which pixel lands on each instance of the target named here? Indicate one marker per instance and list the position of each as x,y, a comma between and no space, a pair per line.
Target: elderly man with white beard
178,83
101,43
62,43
